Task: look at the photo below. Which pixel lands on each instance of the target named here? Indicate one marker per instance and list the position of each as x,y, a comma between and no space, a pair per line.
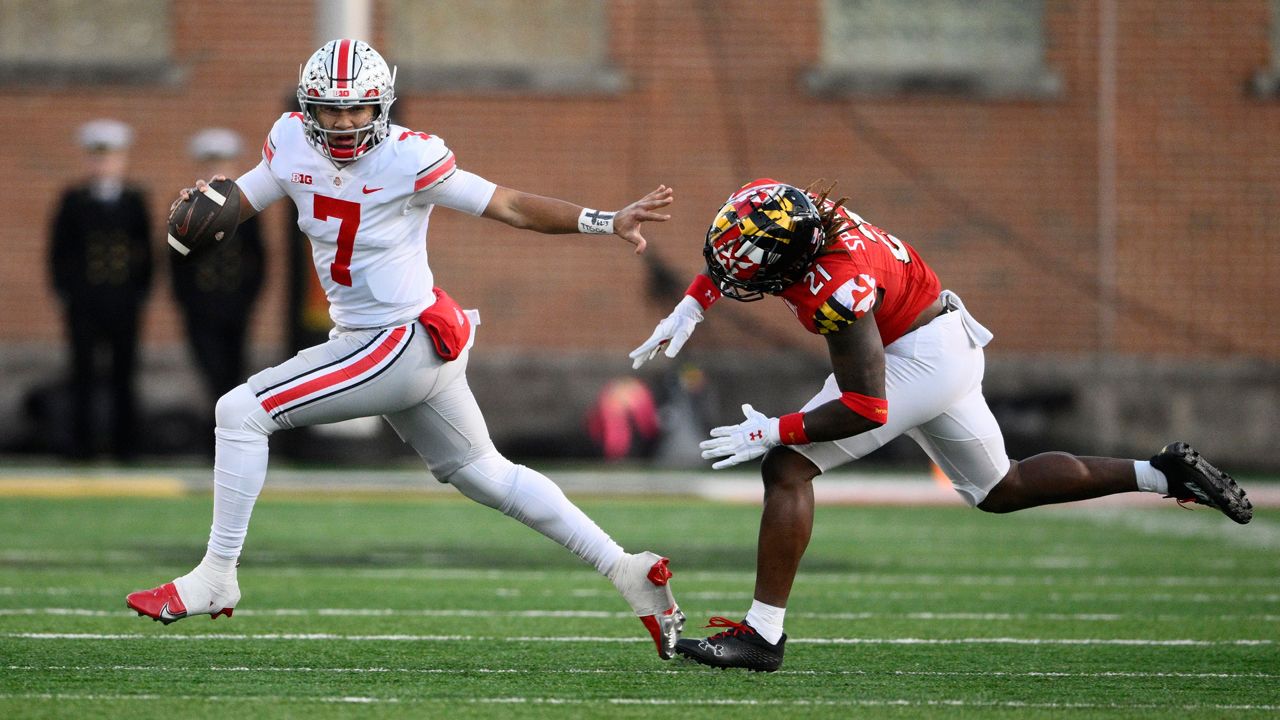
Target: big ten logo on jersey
301,178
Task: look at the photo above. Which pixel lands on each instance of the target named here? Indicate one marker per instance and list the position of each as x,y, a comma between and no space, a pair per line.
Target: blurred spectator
100,256
683,415
623,422
216,289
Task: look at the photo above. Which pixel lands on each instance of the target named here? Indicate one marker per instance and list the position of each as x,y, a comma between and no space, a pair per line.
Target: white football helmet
346,72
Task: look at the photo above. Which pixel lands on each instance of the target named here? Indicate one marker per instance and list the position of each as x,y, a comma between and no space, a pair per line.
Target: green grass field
404,606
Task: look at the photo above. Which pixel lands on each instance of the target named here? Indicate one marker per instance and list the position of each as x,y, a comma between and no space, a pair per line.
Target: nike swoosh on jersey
366,189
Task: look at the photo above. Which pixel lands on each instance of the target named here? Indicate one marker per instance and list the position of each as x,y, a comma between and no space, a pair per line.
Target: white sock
215,566
1149,478
541,504
767,620
210,586
213,571
239,470
528,496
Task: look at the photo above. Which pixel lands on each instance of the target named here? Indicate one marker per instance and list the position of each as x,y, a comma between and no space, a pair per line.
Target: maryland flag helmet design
762,240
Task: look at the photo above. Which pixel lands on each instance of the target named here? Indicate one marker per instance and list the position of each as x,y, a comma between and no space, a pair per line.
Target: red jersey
865,268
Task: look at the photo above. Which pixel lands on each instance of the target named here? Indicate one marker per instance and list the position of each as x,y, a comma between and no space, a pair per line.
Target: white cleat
644,581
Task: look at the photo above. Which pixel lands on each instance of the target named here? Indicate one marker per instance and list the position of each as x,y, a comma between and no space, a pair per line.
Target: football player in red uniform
365,190
907,359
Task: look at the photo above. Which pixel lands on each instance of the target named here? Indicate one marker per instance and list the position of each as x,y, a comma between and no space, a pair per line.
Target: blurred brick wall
999,196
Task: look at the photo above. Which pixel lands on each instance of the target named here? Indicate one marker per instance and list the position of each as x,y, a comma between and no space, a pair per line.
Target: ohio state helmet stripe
329,380
342,71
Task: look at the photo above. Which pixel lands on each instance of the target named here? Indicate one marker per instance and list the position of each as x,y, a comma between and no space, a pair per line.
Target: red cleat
165,605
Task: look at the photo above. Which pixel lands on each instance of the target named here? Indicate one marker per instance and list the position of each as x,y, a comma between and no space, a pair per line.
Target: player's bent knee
1006,496
238,409
783,467
487,480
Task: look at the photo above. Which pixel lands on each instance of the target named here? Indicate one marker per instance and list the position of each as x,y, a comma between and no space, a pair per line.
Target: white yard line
1224,594
662,702
856,578
329,637
628,671
601,614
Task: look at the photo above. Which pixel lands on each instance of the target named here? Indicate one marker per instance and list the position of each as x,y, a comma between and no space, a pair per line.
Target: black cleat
738,647
1193,479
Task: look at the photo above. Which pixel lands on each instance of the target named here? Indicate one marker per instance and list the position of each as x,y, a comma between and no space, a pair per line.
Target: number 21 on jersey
348,214
811,278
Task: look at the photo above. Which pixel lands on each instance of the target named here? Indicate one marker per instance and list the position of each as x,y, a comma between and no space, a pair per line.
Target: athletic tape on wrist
595,222
791,429
704,291
872,408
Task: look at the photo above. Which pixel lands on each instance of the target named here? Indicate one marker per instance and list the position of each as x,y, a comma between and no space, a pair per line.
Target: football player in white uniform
365,189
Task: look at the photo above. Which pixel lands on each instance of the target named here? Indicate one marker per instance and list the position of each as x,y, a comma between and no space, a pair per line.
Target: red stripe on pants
341,374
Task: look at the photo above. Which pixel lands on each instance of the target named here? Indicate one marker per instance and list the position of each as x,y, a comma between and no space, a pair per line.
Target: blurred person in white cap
101,264
216,290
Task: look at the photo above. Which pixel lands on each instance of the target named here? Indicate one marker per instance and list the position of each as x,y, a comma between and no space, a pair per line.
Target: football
206,218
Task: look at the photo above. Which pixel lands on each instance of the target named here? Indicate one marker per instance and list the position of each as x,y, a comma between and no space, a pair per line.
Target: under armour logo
755,435
714,649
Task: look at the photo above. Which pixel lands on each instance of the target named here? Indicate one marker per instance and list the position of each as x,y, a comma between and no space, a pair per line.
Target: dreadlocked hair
833,223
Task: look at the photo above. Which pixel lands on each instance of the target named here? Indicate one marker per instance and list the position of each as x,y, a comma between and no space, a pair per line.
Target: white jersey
367,221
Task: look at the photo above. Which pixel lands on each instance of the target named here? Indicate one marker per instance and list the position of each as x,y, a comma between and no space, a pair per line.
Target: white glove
742,442
672,332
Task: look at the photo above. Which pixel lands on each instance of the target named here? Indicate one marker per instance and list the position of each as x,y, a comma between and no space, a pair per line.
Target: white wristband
595,222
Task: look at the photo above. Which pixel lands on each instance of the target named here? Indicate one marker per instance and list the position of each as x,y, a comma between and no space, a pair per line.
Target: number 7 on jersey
348,213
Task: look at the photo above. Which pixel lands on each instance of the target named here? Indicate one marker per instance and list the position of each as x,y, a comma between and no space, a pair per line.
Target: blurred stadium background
1098,179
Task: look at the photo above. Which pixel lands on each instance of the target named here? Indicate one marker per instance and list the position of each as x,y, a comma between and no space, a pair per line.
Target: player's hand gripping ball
205,218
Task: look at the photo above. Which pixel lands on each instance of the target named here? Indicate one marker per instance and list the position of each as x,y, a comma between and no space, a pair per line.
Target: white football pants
394,372
933,381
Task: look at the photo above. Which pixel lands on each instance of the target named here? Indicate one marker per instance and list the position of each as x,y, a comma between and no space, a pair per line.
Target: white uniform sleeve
259,186
463,191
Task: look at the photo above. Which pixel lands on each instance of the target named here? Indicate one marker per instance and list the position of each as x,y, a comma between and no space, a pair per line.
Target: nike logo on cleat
166,615
1195,489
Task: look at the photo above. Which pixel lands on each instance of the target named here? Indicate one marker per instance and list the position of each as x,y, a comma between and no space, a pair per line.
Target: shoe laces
734,628
1186,503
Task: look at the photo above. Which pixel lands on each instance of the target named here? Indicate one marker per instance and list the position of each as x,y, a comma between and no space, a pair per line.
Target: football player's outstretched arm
675,329
549,215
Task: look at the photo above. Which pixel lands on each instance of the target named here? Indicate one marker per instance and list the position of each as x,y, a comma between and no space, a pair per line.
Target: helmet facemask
762,241
346,73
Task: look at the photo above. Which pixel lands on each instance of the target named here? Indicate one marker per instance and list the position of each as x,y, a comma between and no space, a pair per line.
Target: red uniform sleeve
832,295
